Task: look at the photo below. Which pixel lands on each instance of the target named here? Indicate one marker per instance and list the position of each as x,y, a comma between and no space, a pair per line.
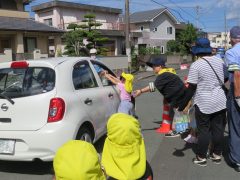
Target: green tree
173,46
186,38
74,42
184,41
86,31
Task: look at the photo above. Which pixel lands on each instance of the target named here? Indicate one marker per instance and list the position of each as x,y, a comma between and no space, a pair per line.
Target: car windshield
23,82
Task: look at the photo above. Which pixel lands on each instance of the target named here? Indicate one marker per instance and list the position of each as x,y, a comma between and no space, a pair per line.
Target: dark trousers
234,127
210,127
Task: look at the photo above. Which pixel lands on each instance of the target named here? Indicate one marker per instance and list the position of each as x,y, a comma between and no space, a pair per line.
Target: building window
169,30
162,50
155,29
48,22
30,43
141,28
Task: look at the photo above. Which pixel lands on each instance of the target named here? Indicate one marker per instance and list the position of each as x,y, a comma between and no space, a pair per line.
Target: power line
170,9
197,12
182,8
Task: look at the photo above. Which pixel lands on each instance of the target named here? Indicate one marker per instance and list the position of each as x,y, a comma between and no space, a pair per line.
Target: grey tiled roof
145,16
24,24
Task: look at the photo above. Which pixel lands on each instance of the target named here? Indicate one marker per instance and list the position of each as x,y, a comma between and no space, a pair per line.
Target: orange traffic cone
166,119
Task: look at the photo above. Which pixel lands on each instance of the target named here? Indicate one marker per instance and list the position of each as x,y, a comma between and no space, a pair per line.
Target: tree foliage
82,37
183,41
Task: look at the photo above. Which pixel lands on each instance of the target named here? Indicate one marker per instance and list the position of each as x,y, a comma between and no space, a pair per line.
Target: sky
210,16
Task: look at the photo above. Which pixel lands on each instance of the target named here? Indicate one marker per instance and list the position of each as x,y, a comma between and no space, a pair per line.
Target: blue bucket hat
156,62
202,47
235,32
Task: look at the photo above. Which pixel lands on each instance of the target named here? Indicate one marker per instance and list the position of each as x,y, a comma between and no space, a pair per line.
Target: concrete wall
177,59
115,62
38,55
6,56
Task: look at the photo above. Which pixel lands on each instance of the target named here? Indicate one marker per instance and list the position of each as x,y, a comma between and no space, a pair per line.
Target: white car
44,103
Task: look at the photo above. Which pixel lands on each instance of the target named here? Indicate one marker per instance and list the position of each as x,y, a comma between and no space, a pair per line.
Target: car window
83,76
28,81
100,69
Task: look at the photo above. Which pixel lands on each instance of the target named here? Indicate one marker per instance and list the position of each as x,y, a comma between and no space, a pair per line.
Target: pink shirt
124,95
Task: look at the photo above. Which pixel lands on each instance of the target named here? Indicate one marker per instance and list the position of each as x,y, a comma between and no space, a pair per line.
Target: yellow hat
128,81
77,160
124,155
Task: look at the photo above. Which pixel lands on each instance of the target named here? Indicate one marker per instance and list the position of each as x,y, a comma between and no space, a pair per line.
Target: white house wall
44,15
137,27
161,23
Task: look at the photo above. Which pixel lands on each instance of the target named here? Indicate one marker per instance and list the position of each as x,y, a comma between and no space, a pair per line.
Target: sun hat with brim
77,160
235,32
202,47
128,81
124,155
156,62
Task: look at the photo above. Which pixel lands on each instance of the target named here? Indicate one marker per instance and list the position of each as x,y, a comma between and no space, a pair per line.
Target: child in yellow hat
125,86
77,160
124,154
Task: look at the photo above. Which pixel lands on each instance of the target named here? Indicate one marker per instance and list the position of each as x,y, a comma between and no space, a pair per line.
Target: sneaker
237,168
215,158
200,162
172,134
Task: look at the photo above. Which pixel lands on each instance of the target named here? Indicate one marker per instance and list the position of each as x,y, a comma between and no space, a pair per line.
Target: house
219,39
20,36
157,27
60,14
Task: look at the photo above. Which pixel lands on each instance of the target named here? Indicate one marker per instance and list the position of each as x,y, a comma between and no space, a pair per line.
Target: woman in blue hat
206,78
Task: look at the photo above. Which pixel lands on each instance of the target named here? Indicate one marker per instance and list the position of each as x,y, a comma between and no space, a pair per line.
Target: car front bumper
41,144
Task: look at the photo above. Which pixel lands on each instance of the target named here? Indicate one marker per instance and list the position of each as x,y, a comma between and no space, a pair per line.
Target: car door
90,94
111,97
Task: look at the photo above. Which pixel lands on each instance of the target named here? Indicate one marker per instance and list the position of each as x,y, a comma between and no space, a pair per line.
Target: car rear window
29,81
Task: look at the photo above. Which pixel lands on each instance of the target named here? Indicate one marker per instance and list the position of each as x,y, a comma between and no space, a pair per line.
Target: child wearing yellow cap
125,87
124,154
77,160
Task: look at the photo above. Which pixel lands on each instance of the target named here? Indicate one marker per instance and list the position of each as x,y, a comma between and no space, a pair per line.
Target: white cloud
232,8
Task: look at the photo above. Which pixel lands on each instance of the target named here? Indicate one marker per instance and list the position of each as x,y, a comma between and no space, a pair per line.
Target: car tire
85,134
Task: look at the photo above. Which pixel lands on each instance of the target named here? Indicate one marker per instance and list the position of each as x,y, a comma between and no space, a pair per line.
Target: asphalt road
170,158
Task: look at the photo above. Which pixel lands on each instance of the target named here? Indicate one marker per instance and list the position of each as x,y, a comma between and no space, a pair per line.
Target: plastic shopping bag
180,121
192,118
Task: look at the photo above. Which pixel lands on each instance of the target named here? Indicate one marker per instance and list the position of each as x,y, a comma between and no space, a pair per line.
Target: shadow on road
36,167
180,152
150,129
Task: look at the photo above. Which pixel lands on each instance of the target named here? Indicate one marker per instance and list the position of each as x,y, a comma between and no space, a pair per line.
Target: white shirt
209,95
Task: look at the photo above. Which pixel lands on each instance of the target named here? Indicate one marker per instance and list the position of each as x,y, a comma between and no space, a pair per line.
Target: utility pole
127,28
197,13
225,27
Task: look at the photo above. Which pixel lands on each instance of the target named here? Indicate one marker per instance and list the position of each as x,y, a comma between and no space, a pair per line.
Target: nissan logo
4,107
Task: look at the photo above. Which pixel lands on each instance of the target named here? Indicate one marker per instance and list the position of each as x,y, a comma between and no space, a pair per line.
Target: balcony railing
13,13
